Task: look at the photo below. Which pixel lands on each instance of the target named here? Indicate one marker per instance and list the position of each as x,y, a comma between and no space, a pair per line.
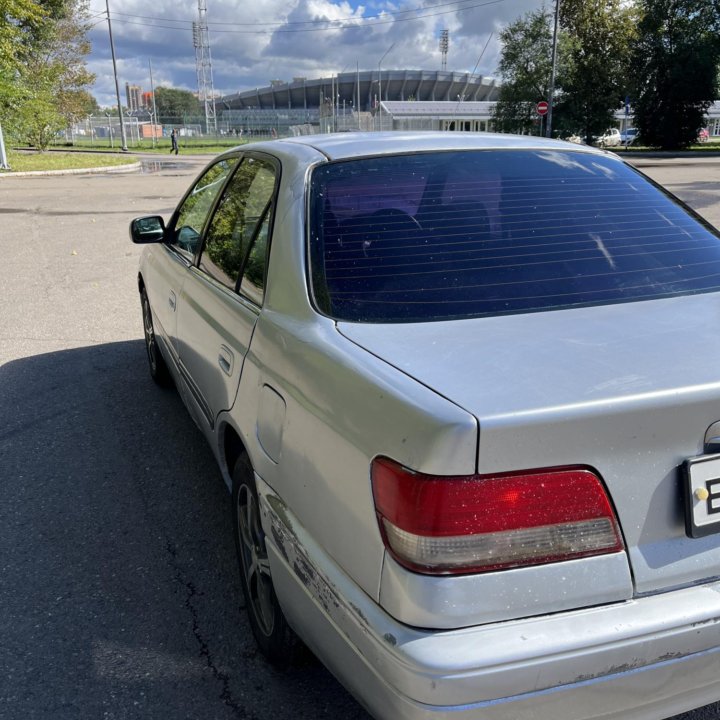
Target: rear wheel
158,368
273,635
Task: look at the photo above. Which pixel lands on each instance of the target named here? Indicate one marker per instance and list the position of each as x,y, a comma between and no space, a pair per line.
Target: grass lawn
194,146
27,161
712,146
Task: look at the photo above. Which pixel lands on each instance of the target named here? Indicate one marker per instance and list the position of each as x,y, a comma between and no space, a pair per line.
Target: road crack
226,694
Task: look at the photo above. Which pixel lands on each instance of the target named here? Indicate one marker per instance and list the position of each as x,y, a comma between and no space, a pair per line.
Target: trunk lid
627,389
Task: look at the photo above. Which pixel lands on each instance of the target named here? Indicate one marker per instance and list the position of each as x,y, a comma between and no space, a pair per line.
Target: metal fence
103,131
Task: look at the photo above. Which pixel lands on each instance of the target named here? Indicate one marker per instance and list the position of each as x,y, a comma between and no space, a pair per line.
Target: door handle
225,359
172,301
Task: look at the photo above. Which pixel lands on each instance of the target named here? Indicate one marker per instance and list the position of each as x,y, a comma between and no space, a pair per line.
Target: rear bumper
641,659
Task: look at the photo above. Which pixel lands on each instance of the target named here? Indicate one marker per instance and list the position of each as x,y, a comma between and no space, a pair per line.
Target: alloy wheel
255,563
150,345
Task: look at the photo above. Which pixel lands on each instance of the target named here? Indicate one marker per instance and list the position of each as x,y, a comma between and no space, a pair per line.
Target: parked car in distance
464,391
610,138
629,136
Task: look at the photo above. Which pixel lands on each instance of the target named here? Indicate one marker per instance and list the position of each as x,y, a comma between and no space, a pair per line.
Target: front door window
196,206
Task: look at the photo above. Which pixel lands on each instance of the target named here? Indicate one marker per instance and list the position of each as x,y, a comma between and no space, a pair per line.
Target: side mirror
148,229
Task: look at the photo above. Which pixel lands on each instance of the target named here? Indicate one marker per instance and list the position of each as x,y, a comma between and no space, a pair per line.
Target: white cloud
251,45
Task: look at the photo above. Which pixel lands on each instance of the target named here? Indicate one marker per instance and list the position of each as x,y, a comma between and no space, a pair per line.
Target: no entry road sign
542,108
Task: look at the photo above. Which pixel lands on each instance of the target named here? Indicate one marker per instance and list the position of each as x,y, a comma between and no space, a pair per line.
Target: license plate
702,495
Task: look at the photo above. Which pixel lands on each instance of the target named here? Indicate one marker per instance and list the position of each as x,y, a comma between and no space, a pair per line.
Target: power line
147,17
347,19
344,26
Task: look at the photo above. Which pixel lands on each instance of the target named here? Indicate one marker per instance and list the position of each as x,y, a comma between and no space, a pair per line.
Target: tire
158,368
276,640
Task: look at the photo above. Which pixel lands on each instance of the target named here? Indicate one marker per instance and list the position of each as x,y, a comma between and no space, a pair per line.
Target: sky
255,41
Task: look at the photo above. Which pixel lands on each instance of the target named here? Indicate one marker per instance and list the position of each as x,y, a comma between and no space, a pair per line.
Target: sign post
627,118
4,165
542,109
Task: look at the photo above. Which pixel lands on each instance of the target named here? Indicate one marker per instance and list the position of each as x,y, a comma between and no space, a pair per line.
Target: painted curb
110,169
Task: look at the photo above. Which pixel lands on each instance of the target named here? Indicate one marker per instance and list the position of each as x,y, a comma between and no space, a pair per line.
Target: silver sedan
464,391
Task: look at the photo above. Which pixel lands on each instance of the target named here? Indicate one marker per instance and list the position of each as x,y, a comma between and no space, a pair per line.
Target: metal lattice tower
203,66
444,45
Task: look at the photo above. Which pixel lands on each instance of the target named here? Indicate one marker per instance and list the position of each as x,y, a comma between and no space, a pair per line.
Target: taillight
450,525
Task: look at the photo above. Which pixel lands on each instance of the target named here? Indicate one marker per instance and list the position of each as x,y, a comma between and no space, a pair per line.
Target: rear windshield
439,236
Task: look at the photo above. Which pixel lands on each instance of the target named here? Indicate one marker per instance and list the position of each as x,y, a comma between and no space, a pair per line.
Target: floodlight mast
203,66
444,46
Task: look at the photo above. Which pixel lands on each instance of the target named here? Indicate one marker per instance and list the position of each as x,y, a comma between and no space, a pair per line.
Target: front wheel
158,368
273,635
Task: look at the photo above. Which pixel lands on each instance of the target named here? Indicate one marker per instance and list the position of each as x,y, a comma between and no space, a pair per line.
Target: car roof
339,146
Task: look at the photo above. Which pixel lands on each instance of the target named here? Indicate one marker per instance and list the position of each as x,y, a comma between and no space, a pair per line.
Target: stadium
349,101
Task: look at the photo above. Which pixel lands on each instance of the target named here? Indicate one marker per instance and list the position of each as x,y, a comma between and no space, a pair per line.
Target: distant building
712,120
447,115
713,116
133,94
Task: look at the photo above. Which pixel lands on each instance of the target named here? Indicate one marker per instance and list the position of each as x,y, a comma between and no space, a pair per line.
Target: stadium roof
365,88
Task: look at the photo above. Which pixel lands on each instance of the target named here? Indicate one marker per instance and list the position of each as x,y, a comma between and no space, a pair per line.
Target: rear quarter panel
343,407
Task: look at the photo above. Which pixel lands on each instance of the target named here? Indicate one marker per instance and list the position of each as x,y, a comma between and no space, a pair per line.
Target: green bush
37,122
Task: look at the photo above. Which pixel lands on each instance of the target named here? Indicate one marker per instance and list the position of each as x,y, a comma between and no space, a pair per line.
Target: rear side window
449,235
237,234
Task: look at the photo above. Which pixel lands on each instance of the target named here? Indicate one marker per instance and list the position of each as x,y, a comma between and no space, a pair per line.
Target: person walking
174,141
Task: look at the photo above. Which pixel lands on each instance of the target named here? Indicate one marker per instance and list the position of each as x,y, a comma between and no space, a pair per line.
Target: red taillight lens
477,523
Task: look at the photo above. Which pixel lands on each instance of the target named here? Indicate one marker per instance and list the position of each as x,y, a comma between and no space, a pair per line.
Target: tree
19,19
525,66
66,48
86,103
592,75
173,105
675,66
46,67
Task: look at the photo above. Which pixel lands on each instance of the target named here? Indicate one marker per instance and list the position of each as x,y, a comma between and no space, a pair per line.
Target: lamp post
548,125
379,109
154,112
117,86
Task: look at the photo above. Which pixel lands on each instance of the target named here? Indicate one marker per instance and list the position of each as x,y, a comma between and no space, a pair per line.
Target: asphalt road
119,592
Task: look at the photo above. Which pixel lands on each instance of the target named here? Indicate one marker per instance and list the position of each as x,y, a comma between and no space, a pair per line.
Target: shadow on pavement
118,579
